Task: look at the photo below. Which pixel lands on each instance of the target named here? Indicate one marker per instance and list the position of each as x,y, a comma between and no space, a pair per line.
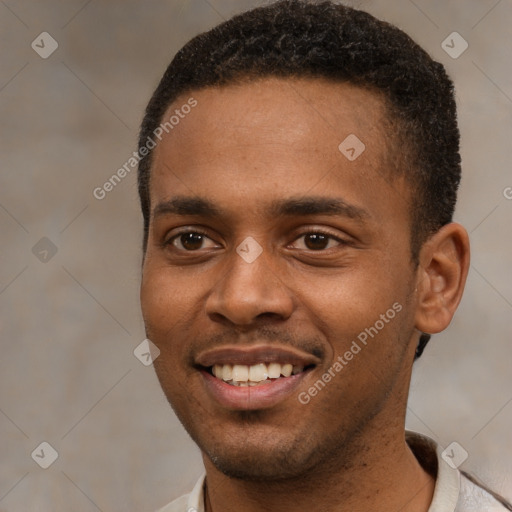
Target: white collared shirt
453,492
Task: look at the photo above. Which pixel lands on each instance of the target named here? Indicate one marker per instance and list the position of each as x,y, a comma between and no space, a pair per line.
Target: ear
441,277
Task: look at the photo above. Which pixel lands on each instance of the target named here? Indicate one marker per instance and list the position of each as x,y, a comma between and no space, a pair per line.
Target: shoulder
455,490
192,502
476,496
178,505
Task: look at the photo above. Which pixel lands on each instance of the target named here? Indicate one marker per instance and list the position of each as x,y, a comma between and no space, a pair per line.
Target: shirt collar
196,497
430,456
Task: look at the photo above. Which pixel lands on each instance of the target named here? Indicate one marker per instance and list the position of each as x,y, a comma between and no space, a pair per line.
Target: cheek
349,298
365,303
156,299
166,303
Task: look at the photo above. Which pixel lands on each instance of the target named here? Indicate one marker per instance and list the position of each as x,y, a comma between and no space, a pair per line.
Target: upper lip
250,355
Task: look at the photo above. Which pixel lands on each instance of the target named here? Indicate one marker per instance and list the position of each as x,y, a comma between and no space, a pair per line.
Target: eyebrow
298,206
193,206
317,205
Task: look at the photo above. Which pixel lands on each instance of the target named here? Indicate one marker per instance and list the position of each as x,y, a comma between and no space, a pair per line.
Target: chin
262,454
255,466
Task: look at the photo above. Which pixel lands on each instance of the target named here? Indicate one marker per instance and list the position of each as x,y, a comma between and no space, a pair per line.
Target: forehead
274,137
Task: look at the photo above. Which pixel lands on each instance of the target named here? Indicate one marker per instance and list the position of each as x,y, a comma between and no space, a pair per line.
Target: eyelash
308,231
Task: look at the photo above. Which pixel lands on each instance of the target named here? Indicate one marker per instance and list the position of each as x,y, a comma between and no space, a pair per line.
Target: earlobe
442,272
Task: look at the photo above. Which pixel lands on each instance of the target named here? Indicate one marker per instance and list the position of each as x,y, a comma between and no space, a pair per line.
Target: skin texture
243,147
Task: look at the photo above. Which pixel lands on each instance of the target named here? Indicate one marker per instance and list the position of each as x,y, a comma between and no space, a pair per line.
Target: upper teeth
254,373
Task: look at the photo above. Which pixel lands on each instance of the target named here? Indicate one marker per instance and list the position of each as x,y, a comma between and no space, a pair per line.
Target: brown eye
316,241
190,241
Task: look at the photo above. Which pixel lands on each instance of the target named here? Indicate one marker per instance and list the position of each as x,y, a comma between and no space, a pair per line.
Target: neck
381,474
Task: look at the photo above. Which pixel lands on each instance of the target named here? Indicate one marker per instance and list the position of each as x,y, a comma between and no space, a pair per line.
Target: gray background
69,323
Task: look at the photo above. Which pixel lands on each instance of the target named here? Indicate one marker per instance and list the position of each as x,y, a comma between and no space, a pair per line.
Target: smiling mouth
255,375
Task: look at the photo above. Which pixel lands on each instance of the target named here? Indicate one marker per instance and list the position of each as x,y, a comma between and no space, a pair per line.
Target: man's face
306,284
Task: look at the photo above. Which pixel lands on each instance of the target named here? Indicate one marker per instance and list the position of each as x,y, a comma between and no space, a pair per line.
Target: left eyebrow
318,205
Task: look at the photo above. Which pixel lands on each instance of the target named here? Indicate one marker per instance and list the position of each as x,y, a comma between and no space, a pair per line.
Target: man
301,164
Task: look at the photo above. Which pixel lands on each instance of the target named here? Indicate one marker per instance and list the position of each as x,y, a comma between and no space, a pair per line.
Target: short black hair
322,39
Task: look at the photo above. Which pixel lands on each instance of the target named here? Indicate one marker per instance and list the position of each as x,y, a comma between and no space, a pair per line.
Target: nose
248,292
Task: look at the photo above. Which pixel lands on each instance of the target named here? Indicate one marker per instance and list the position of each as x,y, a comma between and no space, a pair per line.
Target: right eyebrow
187,206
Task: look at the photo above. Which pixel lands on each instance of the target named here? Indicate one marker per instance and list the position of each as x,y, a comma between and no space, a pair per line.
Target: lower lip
249,398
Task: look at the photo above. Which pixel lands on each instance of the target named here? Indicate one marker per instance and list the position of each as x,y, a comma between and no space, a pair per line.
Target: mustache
312,345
